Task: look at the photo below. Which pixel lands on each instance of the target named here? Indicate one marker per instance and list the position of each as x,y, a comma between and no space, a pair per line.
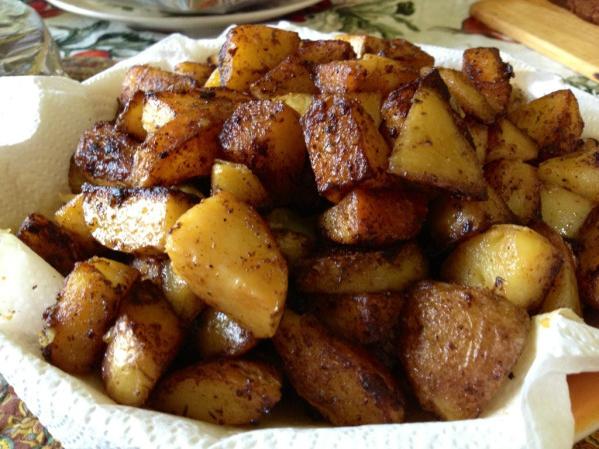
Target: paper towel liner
40,125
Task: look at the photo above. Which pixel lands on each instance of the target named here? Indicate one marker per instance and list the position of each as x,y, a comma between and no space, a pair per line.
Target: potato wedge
85,309
343,383
227,255
239,181
511,261
152,79
291,75
71,218
199,71
129,120
225,392
458,346
588,260
467,96
506,141
564,211
133,220
141,344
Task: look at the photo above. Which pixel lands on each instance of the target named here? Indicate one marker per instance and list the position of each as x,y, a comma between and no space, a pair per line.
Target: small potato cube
517,183
225,392
129,120
239,181
341,381
141,345
291,75
508,142
345,271
564,211
227,255
395,110
458,346
374,217
152,79
588,260
553,121
86,307
321,52
344,145
199,71
512,261
468,98
133,220
70,217
252,50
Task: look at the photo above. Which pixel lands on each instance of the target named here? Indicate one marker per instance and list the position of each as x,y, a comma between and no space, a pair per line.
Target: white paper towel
39,128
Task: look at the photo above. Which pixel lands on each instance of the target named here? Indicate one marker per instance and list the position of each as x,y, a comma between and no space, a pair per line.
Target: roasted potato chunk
291,75
511,261
321,52
371,217
346,271
508,142
239,181
267,137
85,309
152,79
199,71
439,325
227,255
129,120
225,392
344,145
469,99
343,383
563,210
71,218
141,344
588,260
133,220
553,121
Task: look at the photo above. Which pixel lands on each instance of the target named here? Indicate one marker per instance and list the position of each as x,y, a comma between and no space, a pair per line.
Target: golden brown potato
217,335
291,75
141,345
517,183
508,142
511,261
129,120
225,392
133,220
252,50
267,137
239,181
553,121
490,75
467,96
51,242
199,71
577,172
152,79
226,253
321,52
563,210
588,260
374,217
395,110
70,217
345,149
343,383
458,346
85,309
346,271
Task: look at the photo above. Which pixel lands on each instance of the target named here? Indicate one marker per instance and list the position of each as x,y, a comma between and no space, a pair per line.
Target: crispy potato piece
217,335
152,79
364,318
452,218
225,392
86,307
432,149
517,183
395,110
467,96
371,217
480,137
129,119
105,155
564,211
508,142
440,324
588,260
553,121
239,181
227,255
133,220
300,103
199,71
252,50
345,149
564,290
291,75
267,137
577,172
51,242
512,261
70,217
491,76
343,383
345,271
141,345
372,73
322,52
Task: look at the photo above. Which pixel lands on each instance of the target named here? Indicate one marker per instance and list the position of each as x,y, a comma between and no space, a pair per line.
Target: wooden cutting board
546,28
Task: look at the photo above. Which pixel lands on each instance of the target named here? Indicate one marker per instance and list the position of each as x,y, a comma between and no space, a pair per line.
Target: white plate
153,19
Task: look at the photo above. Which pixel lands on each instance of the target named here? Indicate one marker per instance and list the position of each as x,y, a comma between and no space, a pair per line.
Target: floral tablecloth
89,46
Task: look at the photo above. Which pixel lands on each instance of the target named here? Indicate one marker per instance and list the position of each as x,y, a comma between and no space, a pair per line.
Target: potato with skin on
238,180
141,345
129,120
506,141
71,218
509,260
133,220
350,271
375,217
291,75
228,256
152,79
458,346
250,51
518,184
341,381
564,211
588,260
86,307
199,71
553,121
225,392
467,96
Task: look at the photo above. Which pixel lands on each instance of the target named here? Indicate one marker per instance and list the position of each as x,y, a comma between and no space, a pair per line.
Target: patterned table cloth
89,46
